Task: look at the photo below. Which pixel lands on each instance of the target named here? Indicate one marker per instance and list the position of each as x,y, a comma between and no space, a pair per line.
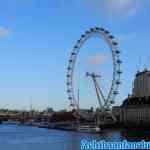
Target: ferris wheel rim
113,45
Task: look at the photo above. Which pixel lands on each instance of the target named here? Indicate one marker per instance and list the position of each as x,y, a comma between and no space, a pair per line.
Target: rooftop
136,101
142,72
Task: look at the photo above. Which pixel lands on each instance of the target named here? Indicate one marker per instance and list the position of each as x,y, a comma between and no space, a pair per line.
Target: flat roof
142,72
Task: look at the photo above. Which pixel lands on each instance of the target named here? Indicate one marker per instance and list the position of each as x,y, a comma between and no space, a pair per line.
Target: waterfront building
135,110
141,85
64,117
72,116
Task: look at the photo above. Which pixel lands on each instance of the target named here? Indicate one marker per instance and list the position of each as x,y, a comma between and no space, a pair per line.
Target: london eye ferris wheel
105,101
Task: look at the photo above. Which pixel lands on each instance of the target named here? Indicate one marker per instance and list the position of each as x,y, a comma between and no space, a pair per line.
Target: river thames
13,137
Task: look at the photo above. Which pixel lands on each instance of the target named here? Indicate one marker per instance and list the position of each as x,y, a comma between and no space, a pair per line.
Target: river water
13,137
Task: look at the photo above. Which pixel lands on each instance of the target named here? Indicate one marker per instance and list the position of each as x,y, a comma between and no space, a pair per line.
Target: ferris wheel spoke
98,96
100,91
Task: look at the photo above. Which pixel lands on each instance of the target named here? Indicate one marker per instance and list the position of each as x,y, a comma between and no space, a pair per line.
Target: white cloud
4,32
118,7
98,59
123,7
126,37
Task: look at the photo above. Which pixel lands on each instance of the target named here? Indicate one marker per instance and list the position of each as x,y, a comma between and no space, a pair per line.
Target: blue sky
36,37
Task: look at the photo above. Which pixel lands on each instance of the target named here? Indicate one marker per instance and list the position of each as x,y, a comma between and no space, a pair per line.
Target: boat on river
89,129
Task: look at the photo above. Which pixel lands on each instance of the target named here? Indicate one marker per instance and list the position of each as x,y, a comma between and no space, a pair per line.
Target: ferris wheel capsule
70,98
112,102
79,41
87,74
68,75
107,109
119,61
111,37
68,91
102,29
72,105
87,32
69,68
75,47
117,52
97,28
68,83
92,29
70,60
115,43
115,92
106,31
119,72
118,82
73,53
82,36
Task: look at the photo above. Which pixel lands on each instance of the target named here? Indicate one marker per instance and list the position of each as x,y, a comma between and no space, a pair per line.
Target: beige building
141,86
135,110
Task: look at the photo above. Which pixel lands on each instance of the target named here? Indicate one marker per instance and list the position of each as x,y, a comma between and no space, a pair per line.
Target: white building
141,87
135,110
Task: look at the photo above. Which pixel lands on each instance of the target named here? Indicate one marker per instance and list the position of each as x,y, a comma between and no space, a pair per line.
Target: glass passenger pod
82,36
87,32
70,98
106,31
114,43
97,28
72,105
102,29
117,52
87,74
107,109
68,83
92,29
112,102
75,47
119,61
119,71
115,92
111,37
73,53
69,68
68,75
118,82
79,41
69,91
70,60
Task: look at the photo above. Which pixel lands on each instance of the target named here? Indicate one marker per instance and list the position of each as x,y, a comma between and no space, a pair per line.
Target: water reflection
132,135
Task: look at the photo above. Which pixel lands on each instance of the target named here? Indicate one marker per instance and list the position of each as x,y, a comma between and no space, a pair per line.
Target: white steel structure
104,102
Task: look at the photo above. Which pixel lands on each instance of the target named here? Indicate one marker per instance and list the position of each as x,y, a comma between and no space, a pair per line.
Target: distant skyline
36,38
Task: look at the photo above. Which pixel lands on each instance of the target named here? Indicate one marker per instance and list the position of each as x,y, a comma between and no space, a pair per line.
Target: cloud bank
4,32
98,59
118,7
